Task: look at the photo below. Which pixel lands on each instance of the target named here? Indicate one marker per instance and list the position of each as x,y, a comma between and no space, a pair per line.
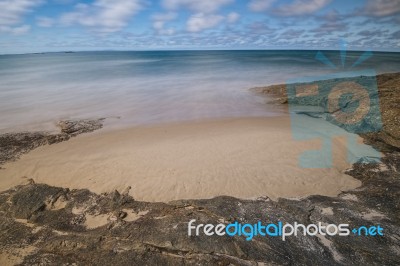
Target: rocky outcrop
44,225
388,138
13,145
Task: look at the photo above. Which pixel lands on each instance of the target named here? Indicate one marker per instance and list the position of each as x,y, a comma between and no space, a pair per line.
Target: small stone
122,214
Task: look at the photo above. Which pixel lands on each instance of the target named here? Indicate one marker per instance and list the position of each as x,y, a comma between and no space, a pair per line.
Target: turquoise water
151,87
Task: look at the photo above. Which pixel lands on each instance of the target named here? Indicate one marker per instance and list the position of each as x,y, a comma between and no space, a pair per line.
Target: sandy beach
240,157
214,132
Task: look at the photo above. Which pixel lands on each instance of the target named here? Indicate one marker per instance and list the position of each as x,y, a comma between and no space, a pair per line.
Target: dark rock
76,127
61,236
13,145
122,214
388,138
312,114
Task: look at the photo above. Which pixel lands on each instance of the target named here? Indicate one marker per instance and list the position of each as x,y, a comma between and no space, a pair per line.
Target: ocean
145,87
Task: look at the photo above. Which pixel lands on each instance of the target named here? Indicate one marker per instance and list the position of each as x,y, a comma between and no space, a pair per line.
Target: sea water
145,87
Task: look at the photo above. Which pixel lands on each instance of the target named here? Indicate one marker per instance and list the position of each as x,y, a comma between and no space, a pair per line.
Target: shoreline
190,160
166,170
65,226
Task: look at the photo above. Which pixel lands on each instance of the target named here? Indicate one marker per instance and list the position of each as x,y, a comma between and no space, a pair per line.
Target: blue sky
64,25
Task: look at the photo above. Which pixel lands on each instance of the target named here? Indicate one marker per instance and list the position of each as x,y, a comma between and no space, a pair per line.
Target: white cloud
12,13
21,29
380,8
200,6
301,7
65,2
165,16
204,16
103,15
201,21
44,22
260,5
15,30
232,17
159,21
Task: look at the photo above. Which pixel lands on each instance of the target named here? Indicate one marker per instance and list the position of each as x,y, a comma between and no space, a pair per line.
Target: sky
79,25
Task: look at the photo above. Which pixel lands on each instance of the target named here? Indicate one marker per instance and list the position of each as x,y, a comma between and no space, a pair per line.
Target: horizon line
191,49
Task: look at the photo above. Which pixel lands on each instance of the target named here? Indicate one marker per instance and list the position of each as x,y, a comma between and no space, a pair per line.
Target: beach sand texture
240,157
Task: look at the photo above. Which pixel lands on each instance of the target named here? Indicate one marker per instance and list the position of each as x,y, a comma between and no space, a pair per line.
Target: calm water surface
151,87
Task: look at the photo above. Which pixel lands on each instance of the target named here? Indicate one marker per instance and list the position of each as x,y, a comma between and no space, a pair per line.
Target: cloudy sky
60,25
